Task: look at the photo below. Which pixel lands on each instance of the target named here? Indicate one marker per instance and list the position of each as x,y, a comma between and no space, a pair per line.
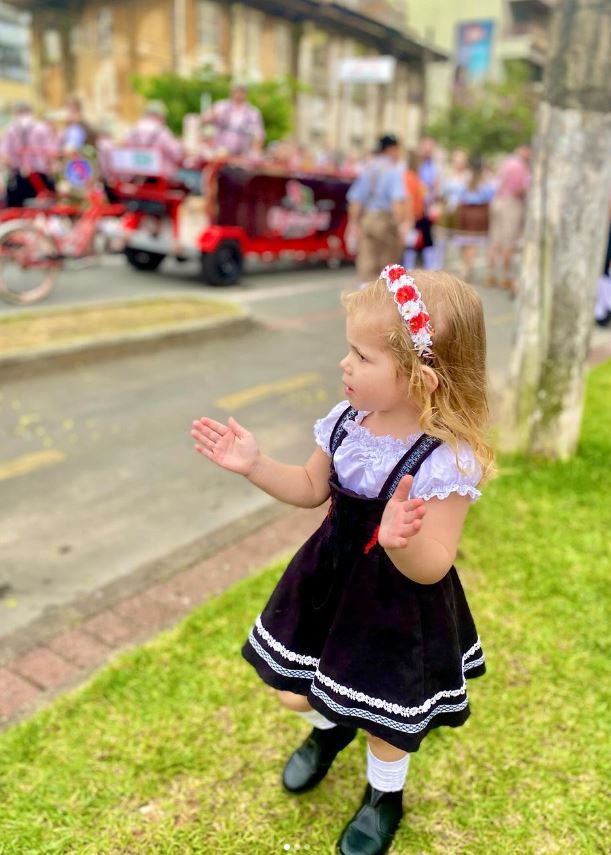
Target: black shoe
372,829
312,760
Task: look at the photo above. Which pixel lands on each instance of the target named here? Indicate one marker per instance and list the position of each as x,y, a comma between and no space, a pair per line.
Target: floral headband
411,307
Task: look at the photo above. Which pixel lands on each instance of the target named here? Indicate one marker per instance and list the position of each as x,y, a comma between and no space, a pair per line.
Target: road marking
29,463
267,390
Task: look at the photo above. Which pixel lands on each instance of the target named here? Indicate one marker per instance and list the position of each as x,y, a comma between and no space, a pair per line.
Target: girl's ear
431,380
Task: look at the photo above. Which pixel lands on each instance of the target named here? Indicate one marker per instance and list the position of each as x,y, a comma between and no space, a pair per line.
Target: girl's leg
492,278
409,259
373,827
312,760
468,257
430,258
300,705
296,703
385,751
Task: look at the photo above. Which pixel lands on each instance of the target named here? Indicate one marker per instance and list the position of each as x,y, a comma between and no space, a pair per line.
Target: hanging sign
367,69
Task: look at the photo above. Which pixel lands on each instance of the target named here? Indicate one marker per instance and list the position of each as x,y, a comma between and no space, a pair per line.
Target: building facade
93,49
483,39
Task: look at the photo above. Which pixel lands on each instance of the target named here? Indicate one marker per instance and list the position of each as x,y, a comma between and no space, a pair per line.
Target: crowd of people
417,207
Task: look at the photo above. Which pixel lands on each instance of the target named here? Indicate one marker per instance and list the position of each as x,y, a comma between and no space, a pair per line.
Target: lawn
52,327
177,747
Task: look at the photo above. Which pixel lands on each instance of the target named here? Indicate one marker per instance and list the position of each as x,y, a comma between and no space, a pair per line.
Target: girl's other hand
230,446
402,517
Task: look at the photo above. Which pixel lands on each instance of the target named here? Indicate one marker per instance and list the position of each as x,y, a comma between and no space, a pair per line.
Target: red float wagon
224,213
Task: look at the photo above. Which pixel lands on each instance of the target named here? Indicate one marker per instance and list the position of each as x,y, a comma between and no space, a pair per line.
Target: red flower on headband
406,294
418,322
396,273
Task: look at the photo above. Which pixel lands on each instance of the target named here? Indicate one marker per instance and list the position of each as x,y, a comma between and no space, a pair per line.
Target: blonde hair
457,410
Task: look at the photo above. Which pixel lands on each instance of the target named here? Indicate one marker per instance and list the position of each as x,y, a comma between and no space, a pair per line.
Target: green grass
177,747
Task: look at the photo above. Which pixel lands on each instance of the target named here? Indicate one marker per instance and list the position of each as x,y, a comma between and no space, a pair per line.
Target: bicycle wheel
29,263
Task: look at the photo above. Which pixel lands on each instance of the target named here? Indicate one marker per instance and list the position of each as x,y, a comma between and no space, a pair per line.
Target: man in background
239,124
151,131
507,216
29,149
379,214
77,133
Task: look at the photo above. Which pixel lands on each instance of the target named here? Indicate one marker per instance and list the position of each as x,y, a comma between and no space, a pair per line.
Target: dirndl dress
367,646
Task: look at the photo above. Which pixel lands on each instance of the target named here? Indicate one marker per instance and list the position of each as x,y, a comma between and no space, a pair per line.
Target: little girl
369,626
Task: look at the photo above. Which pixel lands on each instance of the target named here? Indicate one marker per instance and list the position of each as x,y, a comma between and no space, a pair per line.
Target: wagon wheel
141,259
30,262
224,265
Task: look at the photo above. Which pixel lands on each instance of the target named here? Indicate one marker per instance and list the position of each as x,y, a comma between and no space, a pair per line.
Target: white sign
367,69
135,161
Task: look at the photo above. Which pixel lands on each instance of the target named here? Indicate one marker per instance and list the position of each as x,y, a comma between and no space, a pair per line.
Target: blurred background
154,151
102,52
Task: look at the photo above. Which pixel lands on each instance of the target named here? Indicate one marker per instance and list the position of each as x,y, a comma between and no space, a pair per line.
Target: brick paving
59,662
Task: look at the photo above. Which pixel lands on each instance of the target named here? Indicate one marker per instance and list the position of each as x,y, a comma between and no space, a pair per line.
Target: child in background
369,626
472,215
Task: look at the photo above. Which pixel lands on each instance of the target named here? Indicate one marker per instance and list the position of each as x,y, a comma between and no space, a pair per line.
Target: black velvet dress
367,646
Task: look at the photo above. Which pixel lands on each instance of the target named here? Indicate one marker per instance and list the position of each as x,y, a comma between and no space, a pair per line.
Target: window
14,50
284,49
209,23
52,46
254,35
320,62
105,29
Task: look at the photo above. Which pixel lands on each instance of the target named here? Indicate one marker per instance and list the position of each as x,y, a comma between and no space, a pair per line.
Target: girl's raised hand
230,446
402,517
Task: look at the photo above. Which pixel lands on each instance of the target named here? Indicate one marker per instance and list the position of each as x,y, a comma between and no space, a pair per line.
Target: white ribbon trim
347,691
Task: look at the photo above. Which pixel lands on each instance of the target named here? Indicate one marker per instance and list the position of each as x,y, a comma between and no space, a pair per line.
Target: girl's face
370,375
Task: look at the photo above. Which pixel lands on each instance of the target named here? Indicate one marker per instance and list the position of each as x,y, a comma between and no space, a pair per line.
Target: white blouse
364,461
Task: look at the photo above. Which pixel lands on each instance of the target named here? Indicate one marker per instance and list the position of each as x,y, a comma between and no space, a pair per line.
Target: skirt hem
304,686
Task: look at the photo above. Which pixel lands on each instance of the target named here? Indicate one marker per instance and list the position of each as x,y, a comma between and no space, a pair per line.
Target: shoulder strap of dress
410,463
338,433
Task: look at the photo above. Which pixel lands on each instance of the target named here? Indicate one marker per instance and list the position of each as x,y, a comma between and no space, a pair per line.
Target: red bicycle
36,242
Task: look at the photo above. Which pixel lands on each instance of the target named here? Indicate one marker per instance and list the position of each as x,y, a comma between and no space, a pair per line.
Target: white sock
386,776
317,720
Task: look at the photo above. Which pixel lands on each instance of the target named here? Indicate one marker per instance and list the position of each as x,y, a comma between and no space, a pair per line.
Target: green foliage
489,120
183,95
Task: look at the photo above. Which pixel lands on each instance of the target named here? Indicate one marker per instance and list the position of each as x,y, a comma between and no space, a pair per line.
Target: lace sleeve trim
444,492
323,428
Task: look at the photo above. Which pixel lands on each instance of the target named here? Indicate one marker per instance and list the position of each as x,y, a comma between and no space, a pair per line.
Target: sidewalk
61,661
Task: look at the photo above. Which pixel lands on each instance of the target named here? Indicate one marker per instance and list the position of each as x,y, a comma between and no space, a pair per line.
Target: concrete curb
35,361
57,618
66,645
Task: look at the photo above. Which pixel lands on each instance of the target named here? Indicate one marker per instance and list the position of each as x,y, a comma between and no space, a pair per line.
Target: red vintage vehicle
223,213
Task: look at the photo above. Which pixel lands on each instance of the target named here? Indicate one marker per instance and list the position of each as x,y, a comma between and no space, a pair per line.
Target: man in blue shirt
379,214
77,133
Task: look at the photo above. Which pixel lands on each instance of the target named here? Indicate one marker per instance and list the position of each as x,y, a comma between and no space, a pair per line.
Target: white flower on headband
411,307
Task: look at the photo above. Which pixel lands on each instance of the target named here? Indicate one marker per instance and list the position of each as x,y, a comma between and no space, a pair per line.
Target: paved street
108,479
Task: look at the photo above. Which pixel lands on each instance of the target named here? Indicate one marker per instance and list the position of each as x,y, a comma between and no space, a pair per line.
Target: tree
493,118
566,226
183,95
